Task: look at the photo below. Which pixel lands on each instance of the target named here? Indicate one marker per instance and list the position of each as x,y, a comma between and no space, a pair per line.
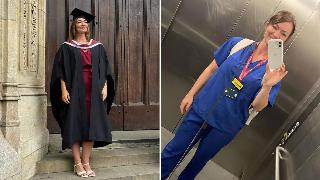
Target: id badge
231,93
237,83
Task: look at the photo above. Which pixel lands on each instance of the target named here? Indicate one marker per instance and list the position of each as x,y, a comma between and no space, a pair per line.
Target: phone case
275,53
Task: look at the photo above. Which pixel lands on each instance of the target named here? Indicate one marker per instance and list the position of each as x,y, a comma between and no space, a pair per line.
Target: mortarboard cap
76,13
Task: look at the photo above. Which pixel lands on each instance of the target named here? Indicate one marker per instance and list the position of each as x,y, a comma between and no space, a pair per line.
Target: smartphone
275,53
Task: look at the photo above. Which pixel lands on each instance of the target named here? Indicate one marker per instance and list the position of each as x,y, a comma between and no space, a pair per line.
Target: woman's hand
202,79
65,96
272,77
186,103
104,93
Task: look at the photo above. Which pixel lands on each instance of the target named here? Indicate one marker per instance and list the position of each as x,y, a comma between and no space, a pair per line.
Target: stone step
118,138
130,172
111,156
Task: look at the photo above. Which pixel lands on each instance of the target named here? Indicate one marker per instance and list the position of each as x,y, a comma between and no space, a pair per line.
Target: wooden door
129,30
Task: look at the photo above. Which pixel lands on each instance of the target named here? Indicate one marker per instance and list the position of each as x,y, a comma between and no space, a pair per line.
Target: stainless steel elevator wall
203,25
304,147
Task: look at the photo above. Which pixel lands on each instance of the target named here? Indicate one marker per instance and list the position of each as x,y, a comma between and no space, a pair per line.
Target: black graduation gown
72,118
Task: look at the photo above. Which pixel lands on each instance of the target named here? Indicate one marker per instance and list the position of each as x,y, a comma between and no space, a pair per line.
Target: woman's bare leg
76,156
86,152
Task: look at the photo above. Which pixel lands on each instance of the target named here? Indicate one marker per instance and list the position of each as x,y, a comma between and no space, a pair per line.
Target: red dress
87,72
87,76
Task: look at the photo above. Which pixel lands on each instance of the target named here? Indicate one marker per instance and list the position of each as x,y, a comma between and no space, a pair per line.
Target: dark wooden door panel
52,124
141,117
134,66
140,63
105,32
116,117
56,25
152,52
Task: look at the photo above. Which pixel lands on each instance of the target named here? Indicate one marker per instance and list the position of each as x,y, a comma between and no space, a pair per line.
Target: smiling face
81,25
281,31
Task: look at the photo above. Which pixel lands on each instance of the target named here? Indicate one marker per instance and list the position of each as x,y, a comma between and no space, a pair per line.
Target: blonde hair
73,32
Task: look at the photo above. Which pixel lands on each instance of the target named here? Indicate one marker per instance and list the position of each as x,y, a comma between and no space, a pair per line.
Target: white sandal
90,173
82,174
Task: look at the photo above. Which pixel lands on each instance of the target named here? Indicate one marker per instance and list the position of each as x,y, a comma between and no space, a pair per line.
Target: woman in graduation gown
82,91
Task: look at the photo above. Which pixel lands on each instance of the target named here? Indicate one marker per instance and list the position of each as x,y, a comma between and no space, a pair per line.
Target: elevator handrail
279,156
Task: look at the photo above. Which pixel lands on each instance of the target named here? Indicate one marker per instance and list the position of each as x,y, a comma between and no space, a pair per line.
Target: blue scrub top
224,113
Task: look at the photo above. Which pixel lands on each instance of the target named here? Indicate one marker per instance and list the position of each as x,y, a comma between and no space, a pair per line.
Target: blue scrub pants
211,141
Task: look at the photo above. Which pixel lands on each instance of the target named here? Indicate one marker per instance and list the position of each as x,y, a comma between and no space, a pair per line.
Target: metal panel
168,8
305,151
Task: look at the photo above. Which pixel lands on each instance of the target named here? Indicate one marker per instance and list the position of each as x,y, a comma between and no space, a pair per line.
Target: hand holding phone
275,53
272,77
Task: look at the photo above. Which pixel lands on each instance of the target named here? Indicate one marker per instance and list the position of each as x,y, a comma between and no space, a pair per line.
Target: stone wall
23,100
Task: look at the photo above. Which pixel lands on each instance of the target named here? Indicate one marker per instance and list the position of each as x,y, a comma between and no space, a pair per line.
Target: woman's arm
270,78
104,92
262,98
64,91
63,85
202,79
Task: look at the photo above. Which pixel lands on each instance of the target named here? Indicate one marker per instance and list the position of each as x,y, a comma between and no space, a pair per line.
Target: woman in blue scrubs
218,104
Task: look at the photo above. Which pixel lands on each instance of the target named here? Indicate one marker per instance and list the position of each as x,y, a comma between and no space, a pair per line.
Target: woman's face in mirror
278,31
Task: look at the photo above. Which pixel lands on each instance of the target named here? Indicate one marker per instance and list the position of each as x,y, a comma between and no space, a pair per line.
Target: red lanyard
245,71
